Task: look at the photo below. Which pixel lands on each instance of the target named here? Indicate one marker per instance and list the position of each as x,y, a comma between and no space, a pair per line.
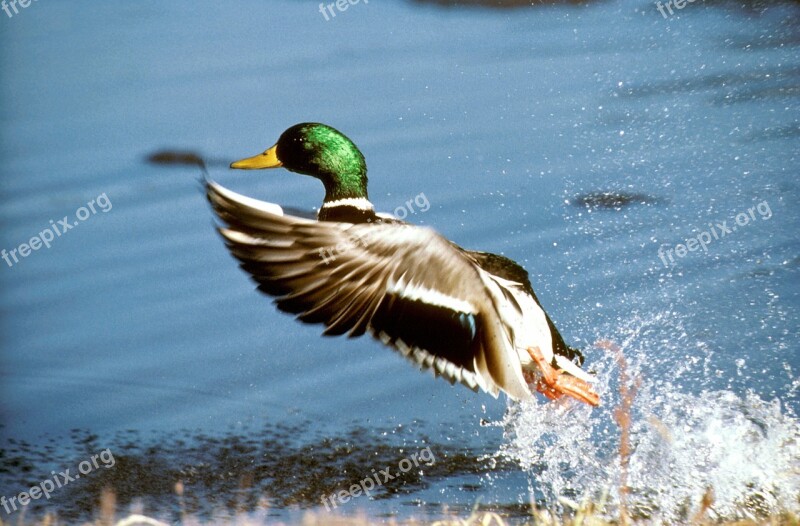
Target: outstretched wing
408,286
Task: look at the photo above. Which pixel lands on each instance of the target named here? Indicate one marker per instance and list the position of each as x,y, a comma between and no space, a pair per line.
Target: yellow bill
268,159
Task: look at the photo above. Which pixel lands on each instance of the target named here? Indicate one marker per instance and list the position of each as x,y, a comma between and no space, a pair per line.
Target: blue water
137,320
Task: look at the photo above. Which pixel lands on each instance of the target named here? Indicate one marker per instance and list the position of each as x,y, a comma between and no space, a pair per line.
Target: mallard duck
470,317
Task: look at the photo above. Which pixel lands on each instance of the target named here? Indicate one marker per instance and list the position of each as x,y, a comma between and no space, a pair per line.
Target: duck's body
471,317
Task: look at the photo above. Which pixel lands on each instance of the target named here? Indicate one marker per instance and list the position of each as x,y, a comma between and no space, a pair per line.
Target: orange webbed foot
554,383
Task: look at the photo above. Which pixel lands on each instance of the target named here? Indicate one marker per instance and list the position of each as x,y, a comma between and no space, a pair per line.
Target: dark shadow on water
177,157
773,133
279,467
751,7
732,86
499,4
747,6
611,200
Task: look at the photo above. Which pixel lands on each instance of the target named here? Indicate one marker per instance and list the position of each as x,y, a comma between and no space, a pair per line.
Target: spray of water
739,451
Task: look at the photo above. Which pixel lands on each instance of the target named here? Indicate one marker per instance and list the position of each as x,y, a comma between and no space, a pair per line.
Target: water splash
743,449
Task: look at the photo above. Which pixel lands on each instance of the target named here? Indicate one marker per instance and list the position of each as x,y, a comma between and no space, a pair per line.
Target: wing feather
410,287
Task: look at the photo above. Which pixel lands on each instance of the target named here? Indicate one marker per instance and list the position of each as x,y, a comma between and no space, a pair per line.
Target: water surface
135,331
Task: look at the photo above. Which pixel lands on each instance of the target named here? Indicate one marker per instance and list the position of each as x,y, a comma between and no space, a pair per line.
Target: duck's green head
320,151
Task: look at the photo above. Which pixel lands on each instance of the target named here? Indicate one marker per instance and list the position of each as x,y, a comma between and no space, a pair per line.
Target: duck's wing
408,286
510,270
